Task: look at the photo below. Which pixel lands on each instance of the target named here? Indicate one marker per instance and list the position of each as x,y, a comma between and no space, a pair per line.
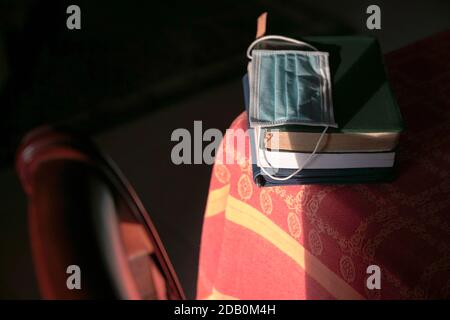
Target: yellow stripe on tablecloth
217,295
250,218
217,201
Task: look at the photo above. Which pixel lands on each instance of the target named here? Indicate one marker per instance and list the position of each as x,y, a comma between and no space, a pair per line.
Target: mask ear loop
249,50
250,47
296,171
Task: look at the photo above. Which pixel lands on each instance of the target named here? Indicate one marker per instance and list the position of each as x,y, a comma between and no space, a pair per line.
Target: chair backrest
83,213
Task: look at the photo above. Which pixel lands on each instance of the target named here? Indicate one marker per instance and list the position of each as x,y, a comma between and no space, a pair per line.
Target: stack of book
361,149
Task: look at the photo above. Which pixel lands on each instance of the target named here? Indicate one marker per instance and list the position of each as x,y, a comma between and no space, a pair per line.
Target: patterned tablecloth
316,242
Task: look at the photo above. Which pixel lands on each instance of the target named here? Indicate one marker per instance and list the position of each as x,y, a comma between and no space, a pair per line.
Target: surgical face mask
289,87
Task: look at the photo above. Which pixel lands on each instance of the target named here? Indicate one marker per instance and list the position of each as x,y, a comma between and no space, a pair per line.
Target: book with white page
294,160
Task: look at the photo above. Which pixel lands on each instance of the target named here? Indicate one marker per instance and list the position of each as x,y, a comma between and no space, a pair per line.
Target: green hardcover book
313,176
365,108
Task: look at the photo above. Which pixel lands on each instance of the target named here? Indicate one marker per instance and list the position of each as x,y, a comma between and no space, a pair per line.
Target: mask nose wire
296,171
276,37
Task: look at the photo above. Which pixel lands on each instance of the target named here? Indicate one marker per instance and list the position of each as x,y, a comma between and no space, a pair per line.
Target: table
317,241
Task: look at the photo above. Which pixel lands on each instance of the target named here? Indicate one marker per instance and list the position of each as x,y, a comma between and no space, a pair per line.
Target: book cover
312,176
362,97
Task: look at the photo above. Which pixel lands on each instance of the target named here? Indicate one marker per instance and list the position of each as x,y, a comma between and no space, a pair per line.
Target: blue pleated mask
290,87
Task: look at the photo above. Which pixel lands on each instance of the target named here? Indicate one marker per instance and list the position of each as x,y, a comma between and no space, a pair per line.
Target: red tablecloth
316,242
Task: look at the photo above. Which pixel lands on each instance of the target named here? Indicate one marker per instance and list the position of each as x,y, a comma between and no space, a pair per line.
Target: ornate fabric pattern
316,241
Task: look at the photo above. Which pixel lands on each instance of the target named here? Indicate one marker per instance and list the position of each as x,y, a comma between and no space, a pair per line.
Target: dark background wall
136,71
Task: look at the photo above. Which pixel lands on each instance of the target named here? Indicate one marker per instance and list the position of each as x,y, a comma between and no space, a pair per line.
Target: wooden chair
83,212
